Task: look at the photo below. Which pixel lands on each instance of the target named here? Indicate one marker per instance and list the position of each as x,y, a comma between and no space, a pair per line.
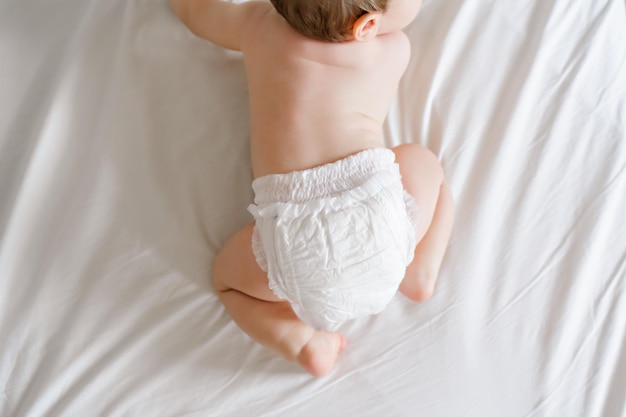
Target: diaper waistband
324,180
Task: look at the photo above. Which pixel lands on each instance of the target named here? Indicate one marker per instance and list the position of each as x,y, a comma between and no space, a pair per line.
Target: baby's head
329,20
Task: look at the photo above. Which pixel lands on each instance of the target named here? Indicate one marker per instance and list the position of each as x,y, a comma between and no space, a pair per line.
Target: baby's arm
218,21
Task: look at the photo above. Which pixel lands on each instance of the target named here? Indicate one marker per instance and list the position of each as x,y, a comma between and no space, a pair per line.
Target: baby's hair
326,20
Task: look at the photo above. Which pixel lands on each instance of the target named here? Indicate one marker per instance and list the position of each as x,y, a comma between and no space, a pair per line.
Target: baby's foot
319,354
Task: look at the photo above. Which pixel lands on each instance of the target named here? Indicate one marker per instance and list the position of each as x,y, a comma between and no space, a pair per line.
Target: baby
341,222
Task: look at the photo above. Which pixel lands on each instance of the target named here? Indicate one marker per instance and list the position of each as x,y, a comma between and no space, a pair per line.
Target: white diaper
335,240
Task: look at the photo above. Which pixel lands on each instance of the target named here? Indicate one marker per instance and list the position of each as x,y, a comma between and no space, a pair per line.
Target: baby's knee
418,294
418,285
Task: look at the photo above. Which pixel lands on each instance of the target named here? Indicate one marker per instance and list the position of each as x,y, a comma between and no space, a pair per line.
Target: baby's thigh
422,177
235,268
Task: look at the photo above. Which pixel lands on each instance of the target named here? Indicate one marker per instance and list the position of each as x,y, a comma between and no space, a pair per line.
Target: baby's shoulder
386,53
395,48
259,16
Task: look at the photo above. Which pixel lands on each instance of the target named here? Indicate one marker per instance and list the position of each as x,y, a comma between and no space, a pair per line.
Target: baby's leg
423,178
243,289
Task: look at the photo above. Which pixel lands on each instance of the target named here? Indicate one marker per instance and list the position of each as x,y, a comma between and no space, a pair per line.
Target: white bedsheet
124,167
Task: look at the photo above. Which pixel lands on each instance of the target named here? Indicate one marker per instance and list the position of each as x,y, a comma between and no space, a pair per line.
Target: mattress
124,166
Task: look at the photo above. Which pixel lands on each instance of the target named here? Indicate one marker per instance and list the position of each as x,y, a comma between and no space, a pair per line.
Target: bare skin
313,103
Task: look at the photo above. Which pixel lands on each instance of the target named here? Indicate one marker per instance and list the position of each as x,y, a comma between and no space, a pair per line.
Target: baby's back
314,102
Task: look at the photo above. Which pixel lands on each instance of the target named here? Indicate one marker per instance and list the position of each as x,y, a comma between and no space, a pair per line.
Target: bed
124,167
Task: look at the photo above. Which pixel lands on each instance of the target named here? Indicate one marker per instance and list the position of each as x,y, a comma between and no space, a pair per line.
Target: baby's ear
366,27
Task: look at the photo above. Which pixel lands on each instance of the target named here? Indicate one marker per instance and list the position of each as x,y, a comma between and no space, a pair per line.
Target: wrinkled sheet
124,166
